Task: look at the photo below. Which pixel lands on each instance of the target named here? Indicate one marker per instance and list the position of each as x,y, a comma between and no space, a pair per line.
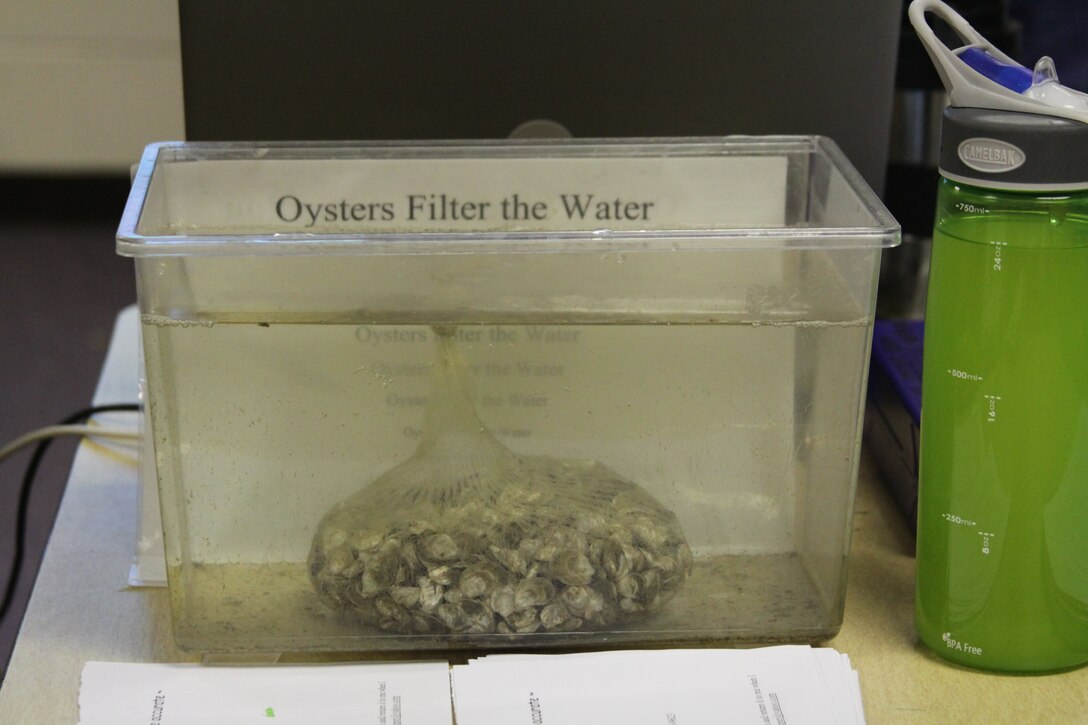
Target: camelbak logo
990,155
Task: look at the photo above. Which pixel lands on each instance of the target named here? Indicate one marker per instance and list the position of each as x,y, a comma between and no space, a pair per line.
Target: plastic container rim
883,233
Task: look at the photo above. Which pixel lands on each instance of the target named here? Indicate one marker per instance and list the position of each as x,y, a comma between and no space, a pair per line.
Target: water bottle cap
978,75
1015,151
1006,126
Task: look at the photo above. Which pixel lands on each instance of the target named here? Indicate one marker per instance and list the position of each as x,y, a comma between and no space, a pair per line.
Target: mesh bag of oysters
468,537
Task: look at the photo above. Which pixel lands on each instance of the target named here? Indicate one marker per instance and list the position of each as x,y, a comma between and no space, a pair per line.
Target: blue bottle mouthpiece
1040,84
1013,76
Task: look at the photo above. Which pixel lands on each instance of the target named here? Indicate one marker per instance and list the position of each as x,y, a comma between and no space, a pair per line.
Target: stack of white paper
115,693
787,685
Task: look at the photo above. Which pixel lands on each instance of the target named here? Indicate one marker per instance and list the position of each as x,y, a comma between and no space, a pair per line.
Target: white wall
85,84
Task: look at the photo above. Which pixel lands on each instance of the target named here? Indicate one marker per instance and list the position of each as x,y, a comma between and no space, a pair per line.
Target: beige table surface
82,608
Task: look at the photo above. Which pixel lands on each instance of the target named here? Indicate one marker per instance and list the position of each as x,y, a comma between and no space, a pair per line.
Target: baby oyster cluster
529,561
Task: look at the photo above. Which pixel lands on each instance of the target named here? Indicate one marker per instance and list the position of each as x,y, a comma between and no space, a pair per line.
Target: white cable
91,431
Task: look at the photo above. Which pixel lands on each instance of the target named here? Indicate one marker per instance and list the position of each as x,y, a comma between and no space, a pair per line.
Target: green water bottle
1002,578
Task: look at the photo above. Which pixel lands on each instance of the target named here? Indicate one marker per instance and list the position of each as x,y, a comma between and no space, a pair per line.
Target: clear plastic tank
490,395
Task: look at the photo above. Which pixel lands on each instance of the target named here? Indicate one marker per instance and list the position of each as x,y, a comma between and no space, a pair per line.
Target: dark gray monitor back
416,69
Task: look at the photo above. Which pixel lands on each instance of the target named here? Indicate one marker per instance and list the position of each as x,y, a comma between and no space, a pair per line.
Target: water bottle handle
917,11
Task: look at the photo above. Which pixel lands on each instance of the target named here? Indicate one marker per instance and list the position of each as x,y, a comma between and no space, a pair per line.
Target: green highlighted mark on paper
269,712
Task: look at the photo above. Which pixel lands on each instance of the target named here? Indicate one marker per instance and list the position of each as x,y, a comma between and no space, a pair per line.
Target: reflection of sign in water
510,377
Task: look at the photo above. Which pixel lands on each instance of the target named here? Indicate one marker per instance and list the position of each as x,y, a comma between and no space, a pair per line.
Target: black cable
23,510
